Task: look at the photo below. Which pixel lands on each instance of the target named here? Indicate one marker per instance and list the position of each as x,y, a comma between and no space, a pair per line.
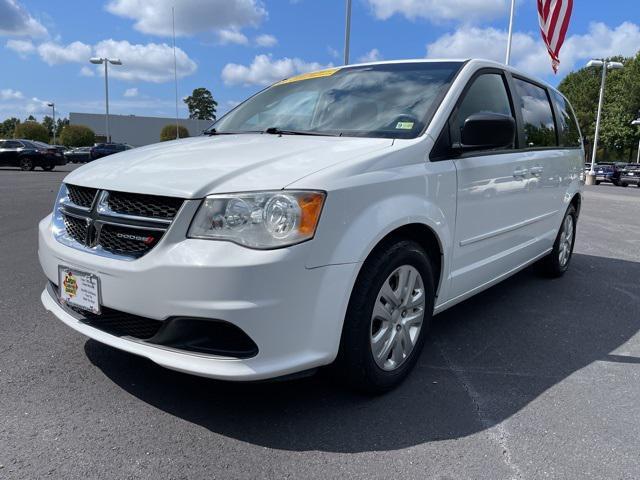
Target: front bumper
292,313
631,180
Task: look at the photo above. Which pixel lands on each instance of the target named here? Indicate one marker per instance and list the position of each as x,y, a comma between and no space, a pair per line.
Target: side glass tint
567,126
537,115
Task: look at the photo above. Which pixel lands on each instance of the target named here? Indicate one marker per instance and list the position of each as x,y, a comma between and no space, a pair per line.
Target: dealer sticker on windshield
308,76
404,125
79,289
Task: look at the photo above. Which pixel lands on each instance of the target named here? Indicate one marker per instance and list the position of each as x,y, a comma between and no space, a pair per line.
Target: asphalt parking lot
531,379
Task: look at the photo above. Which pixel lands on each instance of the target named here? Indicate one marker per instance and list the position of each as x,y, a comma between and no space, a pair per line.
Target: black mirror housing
487,131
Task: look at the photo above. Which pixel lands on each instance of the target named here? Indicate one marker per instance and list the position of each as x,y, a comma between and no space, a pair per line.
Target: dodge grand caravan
322,222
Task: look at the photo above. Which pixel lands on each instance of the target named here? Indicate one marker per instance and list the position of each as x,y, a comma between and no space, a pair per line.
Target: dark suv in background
104,149
630,175
608,172
28,154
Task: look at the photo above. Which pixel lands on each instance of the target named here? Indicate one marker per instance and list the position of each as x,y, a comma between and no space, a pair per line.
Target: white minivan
322,222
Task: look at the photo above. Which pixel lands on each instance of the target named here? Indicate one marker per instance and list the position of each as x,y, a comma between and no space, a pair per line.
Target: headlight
261,220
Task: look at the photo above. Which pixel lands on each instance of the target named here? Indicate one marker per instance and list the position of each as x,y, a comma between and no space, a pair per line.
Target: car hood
196,167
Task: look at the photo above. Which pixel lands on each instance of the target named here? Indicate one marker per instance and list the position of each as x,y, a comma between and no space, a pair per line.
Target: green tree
8,127
77,136
621,103
47,122
168,132
31,131
201,104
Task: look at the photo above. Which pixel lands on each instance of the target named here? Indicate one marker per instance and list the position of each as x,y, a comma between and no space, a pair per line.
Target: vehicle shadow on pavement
484,361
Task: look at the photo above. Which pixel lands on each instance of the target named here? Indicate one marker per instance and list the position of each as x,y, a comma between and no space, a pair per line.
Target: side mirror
484,131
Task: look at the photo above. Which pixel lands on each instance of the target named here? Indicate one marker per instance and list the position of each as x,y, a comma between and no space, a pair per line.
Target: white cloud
131,92
16,21
10,94
151,62
266,41
36,106
438,10
54,53
87,72
529,53
232,35
371,56
264,70
192,16
21,47
333,52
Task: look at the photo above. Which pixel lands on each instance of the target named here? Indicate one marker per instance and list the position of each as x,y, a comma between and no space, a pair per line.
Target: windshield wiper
280,131
211,132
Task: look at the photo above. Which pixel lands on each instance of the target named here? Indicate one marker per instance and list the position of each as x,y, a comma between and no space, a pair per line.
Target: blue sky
235,47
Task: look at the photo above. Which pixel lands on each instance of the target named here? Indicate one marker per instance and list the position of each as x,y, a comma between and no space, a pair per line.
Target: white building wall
132,129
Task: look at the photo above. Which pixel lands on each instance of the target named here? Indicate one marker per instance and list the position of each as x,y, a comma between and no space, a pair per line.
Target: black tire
623,184
598,182
26,164
551,265
616,183
355,364
48,168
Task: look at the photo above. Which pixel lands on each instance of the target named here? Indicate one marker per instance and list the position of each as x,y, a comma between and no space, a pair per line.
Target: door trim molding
507,229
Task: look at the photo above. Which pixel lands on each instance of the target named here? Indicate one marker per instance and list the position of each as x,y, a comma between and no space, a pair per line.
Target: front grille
128,241
128,225
76,228
140,205
81,196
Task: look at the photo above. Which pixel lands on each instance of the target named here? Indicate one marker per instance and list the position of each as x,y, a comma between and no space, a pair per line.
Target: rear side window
537,115
487,94
12,144
568,131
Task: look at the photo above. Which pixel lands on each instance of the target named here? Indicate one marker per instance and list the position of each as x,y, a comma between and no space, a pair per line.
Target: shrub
32,131
77,136
169,132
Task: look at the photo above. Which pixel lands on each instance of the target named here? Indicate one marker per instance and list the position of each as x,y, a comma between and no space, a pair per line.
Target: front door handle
520,172
537,171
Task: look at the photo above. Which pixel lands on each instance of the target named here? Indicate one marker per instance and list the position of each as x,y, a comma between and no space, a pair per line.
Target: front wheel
623,184
387,319
557,262
26,164
48,168
598,182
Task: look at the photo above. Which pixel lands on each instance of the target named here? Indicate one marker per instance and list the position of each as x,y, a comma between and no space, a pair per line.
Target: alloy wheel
566,240
397,317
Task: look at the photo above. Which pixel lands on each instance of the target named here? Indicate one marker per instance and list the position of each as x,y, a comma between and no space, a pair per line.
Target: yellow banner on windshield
308,76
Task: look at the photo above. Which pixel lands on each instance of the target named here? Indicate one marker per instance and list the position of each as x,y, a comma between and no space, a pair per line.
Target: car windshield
388,100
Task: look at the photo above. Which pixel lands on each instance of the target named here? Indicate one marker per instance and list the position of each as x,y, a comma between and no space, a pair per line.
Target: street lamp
106,61
605,66
53,106
637,122
347,33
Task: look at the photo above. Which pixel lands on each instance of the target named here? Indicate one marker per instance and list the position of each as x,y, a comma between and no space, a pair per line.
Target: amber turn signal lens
310,207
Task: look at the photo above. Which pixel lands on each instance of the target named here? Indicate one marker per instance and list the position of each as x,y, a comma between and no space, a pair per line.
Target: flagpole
513,7
347,33
175,67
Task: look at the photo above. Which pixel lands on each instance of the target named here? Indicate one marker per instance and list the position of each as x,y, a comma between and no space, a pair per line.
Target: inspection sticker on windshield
79,289
404,125
308,76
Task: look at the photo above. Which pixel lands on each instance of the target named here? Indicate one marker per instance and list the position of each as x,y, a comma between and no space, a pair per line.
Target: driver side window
487,94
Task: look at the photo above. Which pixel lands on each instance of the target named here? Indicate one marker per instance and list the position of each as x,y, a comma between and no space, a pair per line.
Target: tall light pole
53,106
347,33
637,122
106,61
591,176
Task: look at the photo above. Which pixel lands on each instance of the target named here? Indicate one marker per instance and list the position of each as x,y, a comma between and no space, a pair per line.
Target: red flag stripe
554,17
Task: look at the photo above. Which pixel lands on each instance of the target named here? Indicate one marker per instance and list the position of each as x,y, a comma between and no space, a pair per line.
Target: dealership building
132,129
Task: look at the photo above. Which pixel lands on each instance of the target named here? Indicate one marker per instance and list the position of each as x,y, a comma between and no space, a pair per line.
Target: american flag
554,16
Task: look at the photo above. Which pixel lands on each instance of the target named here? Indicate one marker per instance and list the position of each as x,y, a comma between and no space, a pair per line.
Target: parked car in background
28,154
105,149
78,155
337,218
630,175
608,172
